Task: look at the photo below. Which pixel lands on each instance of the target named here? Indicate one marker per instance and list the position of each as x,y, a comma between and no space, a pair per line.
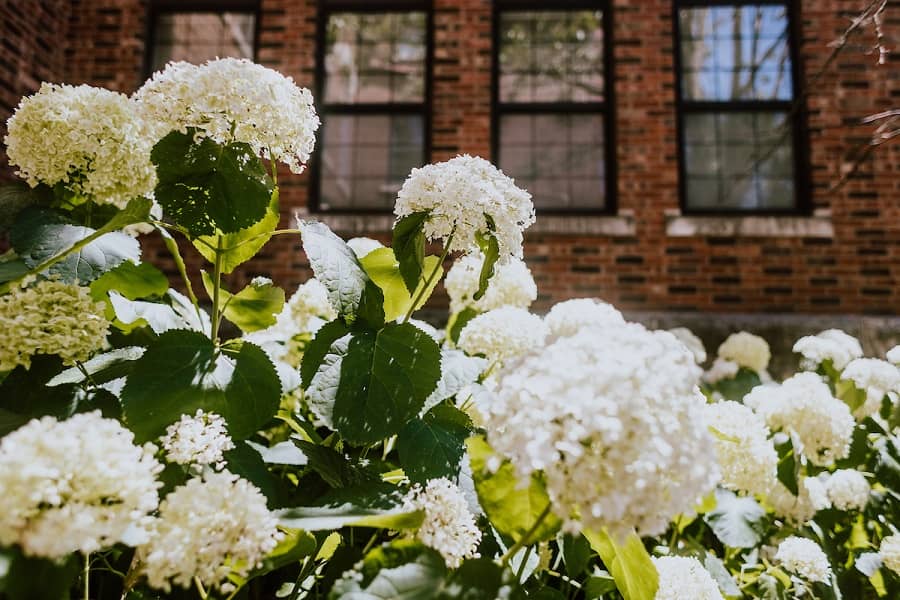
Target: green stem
522,540
200,589
521,569
87,576
434,272
217,284
172,247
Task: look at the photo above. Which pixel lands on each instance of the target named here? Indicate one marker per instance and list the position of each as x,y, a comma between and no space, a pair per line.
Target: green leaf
788,467
457,371
511,509
12,269
476,579
371,306
720,573
159,316
101,368
629,564
736,521
30,578
490,247
576,554
242,245
735,388
434,446
205,186
318,518
409,248
400,570
245,461
132,281
846,391
295,546
383,268
334,468
322,391
385,378
16,196
458,321
183,371
282,453
319,347
336,266
253,308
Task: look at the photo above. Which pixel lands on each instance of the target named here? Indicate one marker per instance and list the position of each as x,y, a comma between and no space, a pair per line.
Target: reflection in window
737,90
551,94
373,114
200,36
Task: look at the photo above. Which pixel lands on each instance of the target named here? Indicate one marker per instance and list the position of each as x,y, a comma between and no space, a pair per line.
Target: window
738,126
199,32
374,88
552,123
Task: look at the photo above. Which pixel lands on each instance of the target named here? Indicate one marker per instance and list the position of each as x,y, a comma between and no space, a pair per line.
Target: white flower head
890,552
684,578
799,509
805,558
234,100
832,344
468,197
569,317
511,285
693,343
848,489
893,355
877,378
362,246
803,404
747,350
721,369
746,455
89,139
310,307
78,485
613,418
199,440
449,526
208,529
502,334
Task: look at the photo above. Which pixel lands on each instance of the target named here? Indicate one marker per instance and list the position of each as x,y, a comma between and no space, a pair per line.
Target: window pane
735,53
739,160
375,57
558,158
366,158
551,56
200,36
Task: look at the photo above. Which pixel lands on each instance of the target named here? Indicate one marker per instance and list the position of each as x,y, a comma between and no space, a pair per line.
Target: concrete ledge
817,226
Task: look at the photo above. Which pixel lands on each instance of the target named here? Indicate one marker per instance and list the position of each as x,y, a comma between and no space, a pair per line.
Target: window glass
200,36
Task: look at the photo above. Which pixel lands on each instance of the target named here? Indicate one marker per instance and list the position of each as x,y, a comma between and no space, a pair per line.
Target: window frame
605,108
324,9
158,8
795,108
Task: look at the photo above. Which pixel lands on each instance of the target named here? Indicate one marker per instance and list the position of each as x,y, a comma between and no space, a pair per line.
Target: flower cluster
234,100
511,285
449,526
50,317
90,140
208,529
805,558
848,489
569,317
747,350
75,485
468,197
684,578
831,344
692,342
721,369
893,355
613,418
502,334
199,440
746,456
803,404
877,378
890,552
799,509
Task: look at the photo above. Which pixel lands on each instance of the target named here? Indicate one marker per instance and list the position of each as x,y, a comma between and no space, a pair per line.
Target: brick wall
854,267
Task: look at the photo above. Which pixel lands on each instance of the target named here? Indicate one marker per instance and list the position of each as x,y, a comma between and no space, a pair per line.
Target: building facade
682,155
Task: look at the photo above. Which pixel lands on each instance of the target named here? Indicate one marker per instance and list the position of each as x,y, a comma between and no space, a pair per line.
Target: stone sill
817,226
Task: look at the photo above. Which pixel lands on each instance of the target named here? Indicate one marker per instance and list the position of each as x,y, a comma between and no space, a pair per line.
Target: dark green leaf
597,585
576,553
245,461
628,563
788,467
490,247
101,368
336,266
32,578
16,196
336,469
409,248
477,579
736,521
317,349
132,281
459,321
433,446
735,388
412,573
371,306
12,269
295,546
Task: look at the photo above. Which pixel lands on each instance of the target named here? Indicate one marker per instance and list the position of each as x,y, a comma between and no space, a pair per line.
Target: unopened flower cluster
684,578
832,344
208,529
511,285
89,139
199,440
234,100
747,350
78,485
502,334
50,317
467,197
449,526
877,378
746,456
805,558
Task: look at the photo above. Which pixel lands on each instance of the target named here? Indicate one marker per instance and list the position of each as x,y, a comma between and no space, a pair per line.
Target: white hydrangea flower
362,246
877,378
799,509
893,355
208,528
890,552
468,196
502,334
803,404
50,317
832,344
511,285
234,100
78,485
199,440
746,455
449,526
805,558
91,140
693,343
848,489
571,316
684,578
613,418
747,350
721,369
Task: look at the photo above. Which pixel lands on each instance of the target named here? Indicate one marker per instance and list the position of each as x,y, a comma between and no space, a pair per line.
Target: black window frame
795,109
158,8
324,9
606,108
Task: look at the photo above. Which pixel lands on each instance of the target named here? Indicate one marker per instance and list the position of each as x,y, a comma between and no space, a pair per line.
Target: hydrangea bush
325,443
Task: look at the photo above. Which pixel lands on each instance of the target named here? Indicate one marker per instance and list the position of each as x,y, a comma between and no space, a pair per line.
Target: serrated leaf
131,314
101,368
322,391
132,281
736,521
433,446
317,518
318,348
628,563
335,266
409,248
490,247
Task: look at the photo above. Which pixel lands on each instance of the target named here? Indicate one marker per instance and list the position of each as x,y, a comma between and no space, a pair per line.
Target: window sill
816,226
